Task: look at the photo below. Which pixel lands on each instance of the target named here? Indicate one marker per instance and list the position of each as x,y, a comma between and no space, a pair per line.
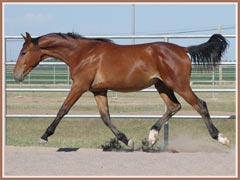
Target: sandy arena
44,161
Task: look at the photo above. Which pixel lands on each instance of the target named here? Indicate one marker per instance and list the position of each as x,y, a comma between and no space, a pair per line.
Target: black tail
208,54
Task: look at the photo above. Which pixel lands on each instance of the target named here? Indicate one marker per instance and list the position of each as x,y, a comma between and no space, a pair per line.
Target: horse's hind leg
201,107
102,103
172,107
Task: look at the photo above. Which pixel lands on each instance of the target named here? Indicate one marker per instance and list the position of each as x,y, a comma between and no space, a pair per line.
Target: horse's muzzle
18,75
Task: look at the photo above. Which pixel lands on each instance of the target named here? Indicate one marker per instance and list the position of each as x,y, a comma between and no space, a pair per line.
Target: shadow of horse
67,149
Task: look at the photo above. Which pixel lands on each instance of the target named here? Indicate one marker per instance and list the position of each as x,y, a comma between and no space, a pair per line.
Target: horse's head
29,57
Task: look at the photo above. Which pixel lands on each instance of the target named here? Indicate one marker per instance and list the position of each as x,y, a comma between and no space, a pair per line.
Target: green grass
92,133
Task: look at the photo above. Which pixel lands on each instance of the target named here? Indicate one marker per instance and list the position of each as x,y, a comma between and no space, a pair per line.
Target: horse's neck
58,48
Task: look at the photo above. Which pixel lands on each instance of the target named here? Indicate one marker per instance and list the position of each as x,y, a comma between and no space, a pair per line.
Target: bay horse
99,65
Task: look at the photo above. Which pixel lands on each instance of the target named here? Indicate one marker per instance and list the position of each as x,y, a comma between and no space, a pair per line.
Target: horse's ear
25,38
28,36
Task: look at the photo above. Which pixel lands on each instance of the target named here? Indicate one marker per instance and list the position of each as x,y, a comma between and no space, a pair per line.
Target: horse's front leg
72,97
102,103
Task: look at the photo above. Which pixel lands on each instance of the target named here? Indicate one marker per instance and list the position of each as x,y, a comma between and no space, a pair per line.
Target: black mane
73,36
78,36
69,35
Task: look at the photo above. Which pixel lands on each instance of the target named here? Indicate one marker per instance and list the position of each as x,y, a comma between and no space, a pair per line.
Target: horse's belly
131,84
125,76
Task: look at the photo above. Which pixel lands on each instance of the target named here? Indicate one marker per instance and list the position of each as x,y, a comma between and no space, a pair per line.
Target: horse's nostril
18,76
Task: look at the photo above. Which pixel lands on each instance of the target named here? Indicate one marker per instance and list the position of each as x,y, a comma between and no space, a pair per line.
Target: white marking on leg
152,138
131,143
223,139
42,141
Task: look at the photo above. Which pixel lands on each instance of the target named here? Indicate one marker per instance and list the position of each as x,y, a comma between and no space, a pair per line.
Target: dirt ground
43,161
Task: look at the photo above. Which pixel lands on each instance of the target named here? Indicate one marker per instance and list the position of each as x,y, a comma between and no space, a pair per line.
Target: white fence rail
140,36
124,116
67,90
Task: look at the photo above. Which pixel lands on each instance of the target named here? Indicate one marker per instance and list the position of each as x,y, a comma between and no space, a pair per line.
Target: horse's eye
23,53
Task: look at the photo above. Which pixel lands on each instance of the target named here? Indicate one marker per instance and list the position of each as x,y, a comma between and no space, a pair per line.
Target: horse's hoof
152,138
131,143
42,141
223,139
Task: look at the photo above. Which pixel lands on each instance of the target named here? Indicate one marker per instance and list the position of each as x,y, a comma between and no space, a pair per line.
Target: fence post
5,91
220,74
54,74
29,78
166,133
213,81
68,76
166,125
220,66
